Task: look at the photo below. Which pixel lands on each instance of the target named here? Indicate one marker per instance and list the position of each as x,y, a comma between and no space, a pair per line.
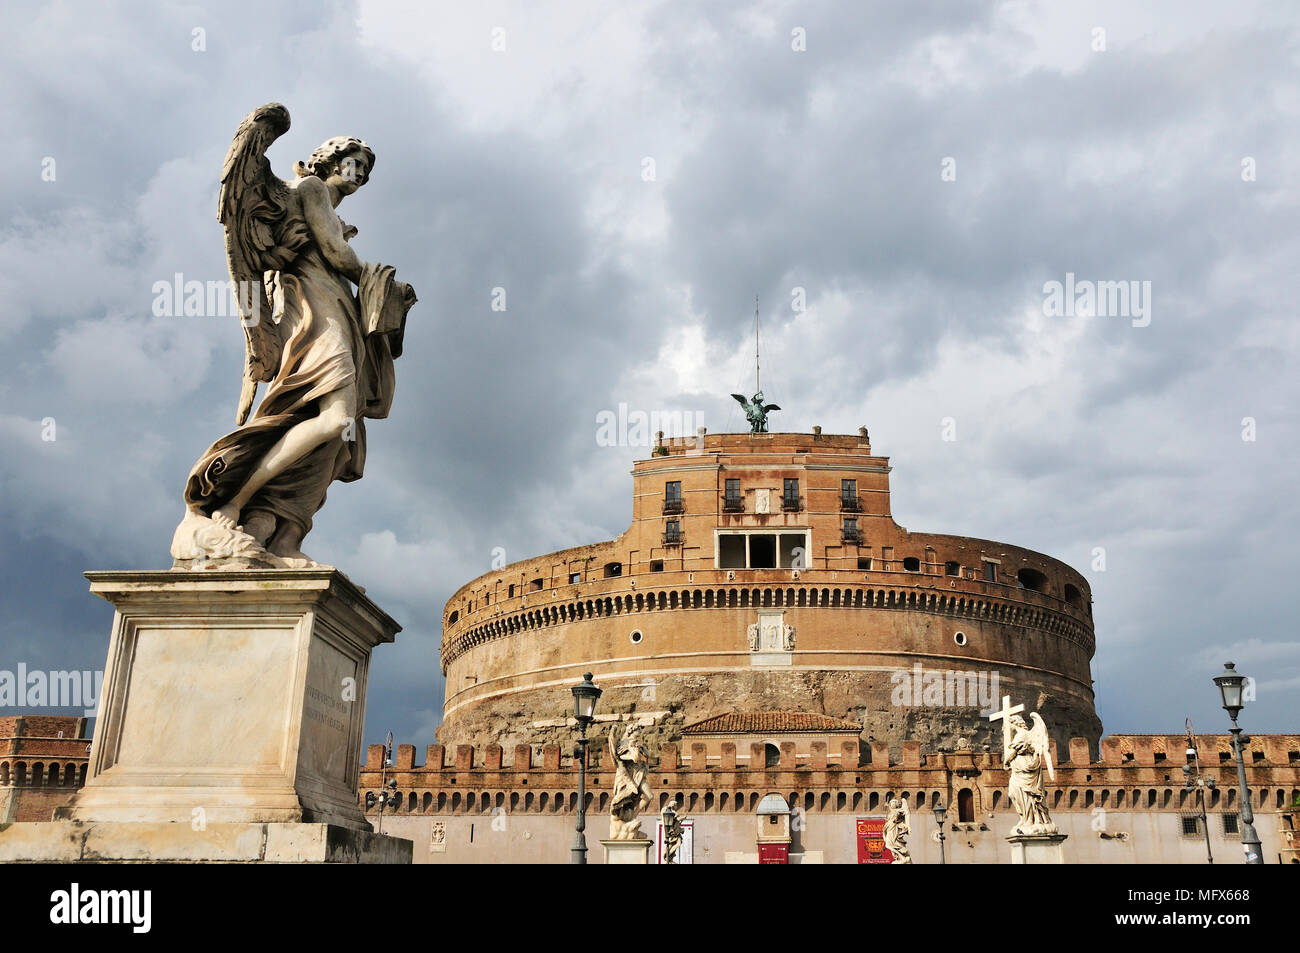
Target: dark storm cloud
775,169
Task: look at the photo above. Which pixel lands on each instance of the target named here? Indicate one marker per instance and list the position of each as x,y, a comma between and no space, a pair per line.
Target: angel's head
344,162
1018,722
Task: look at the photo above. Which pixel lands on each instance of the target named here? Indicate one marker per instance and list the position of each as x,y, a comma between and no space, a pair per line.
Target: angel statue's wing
744,402
907,813
1042,744
252,208
770,407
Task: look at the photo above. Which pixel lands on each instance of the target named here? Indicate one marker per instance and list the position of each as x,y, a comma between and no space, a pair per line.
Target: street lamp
1193,781
940,815
585,696
389,797
1230,685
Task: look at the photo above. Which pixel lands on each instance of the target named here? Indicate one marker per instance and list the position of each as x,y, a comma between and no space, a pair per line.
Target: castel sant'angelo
764,572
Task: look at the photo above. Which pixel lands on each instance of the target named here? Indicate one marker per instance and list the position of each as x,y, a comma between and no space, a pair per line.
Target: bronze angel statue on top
756,411
324,350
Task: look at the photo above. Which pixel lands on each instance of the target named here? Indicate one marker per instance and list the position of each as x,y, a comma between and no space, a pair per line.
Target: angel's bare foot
227,516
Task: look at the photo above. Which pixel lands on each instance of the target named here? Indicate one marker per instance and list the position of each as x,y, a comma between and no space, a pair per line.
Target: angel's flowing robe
1025,785
331,337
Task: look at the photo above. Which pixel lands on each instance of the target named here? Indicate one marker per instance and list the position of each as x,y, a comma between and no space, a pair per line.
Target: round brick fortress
764,572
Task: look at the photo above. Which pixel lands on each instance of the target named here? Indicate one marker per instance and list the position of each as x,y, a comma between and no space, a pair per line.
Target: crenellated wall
1137,772
486,804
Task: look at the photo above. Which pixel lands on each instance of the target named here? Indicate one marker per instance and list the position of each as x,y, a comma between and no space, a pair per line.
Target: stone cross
1005,714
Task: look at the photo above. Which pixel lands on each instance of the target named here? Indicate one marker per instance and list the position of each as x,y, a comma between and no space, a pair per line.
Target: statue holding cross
1026,753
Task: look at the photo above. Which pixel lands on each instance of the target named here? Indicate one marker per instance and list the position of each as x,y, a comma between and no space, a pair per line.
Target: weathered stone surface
232,697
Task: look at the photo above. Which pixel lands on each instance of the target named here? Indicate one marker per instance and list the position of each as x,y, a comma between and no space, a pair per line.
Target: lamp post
384,798
585,696
1194,782
940,815
1230,685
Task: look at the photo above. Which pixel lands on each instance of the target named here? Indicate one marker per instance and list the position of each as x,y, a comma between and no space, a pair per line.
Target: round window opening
960,638
636,636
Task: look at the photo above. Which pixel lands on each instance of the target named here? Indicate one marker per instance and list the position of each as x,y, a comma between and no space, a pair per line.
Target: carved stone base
627,851
231,697
1037,848
71,842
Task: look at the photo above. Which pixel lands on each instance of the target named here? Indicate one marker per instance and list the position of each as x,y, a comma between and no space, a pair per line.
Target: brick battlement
1135,772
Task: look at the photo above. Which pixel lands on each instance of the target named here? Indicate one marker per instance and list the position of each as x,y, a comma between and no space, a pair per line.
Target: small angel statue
673,832
756,411
898,824
1026,753
325,352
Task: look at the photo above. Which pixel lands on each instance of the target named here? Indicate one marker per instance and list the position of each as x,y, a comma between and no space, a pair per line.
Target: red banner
871,841
774,853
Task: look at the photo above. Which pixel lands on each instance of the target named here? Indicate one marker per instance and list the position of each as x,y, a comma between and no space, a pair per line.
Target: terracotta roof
769,722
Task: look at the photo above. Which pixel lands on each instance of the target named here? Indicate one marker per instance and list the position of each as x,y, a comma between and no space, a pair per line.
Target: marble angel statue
1026,754
898,824
631,793
324,350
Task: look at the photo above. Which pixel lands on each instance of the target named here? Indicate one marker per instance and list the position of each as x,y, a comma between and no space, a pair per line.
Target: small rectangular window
673,491
1230,824
512,591
731,551
793,552
536,584
791,489
991,572
575,577
733,489
762,551
656,565
864,563
952,569
1191,826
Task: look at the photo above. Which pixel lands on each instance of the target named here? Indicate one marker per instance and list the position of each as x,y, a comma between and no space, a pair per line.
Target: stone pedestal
230,722
136,841
627,851
1037,848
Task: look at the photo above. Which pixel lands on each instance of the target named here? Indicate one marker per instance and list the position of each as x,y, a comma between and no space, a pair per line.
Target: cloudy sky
632,175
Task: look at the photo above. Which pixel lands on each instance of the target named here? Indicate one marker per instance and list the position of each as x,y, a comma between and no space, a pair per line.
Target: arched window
1072,595
966,806
771,756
